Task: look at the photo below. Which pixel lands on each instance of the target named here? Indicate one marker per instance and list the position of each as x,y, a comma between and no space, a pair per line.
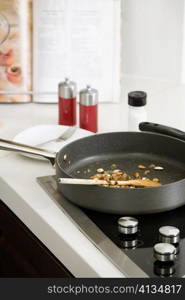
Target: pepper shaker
89,109
67,103
137,109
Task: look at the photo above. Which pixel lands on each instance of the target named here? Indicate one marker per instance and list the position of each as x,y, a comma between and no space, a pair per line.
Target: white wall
153,38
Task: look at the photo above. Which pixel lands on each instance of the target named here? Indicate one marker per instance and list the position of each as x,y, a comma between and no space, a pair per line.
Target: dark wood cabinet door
22,254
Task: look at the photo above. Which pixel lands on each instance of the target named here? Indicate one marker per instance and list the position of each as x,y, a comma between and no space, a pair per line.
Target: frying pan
161,145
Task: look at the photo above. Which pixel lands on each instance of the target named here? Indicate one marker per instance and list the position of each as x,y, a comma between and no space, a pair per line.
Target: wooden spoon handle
139,182
134,182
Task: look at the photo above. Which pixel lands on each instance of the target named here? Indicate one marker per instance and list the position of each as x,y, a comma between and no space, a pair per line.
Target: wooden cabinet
22,254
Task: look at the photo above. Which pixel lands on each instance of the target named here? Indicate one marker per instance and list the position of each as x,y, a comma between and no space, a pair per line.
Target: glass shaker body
137,109
136,115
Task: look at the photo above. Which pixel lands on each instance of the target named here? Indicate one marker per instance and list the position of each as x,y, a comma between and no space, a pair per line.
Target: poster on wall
15,50
79,40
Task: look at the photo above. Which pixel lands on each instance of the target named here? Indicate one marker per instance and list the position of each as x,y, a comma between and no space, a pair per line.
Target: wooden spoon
132,182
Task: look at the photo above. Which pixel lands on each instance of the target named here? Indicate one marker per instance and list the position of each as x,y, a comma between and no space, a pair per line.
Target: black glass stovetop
139,247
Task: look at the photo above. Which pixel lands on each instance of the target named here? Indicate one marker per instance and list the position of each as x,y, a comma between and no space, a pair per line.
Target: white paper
80,40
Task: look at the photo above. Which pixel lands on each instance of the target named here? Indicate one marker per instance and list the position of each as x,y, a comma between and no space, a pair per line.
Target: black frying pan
127,150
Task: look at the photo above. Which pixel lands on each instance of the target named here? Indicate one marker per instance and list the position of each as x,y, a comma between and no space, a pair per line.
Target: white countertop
34,207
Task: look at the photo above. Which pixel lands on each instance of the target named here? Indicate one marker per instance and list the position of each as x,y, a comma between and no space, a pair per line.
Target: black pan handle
158,128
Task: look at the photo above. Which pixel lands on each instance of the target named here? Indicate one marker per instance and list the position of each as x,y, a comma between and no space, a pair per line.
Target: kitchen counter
23,195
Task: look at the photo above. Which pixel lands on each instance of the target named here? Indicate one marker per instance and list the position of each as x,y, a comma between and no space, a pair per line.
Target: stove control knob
169,234
127,225
164,252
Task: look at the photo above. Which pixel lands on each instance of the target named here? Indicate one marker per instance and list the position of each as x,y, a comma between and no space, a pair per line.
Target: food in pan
113,177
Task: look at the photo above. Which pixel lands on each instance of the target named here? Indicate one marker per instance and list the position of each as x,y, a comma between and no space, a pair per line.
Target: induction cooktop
155,248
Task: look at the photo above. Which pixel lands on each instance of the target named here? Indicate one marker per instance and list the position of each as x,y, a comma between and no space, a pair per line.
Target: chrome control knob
169,234
127,225
164,252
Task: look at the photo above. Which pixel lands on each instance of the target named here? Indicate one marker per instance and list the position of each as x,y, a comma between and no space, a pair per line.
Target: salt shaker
67,103
89,109
137,109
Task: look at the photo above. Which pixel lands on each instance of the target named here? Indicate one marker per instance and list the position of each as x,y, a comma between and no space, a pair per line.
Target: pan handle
158,128
22,148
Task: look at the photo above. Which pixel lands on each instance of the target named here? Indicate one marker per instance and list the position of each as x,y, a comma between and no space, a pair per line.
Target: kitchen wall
153,34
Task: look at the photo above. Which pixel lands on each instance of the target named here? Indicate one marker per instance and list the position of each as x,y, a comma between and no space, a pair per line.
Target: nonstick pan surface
127,150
